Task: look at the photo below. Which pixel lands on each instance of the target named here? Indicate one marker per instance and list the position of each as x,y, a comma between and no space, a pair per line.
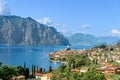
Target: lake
37,55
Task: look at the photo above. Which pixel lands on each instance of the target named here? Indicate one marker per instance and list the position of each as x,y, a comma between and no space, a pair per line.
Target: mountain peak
15,30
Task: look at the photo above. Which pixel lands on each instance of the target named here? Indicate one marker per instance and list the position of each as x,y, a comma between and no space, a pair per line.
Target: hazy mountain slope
26,31
87,39
83,39
109,40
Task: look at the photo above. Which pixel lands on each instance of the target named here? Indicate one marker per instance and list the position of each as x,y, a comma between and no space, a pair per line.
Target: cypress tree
32,69
24,65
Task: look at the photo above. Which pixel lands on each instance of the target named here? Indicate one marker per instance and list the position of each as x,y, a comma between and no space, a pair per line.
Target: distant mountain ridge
90,40
15,30
83,39
109,39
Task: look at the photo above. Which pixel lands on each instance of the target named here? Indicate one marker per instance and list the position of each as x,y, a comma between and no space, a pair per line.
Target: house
107,79
38,75
111,70
21,77
108,69
46,76
84,69
75,70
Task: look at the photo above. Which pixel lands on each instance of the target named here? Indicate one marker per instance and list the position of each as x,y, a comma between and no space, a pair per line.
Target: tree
75,76
93,75
32,70
50,69
43,70
7,72
37,68
24,65
40,70
78,61
72,62
54,77
67,72
26,73
20,70
101,46
61,68
0,64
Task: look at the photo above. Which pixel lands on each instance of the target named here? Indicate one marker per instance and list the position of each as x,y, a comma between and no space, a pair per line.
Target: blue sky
96,17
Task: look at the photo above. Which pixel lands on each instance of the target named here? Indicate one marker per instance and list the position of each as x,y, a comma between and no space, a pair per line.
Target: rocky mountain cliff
15,30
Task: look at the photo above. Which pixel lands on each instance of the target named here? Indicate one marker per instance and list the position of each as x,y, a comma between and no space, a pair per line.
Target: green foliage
23,71
61,68
20,70
50,69
101,46
54,77
75,76
7,72
67,71
93,75
78,61
26,72
113,76
0,64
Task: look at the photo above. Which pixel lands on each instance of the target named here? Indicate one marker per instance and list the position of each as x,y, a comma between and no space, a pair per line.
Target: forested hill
15,30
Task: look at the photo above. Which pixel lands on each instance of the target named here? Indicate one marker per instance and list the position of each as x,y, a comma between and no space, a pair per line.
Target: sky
95,17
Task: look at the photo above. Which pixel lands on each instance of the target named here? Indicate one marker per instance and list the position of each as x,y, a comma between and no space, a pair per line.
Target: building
38,75
46,76
108,69
21,77
84,69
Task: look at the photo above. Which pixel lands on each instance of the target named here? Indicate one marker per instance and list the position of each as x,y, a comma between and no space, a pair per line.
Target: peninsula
103,59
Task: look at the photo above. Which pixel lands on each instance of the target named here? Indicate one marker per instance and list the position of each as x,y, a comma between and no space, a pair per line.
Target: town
105,59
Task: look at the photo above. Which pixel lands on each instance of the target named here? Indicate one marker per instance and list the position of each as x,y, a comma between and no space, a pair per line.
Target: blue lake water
37,55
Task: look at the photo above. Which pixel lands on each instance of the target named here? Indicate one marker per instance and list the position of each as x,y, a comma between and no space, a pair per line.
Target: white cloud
65,32
115,31
4,8
50,22
46,21
86,26
60,27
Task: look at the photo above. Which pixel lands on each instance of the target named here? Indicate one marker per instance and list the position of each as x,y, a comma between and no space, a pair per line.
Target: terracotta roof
107,79
48,74
21,76
84,68
76,70
107,64
38,74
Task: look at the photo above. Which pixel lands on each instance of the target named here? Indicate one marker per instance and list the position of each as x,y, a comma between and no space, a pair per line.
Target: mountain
90,40
15,30
109,39
118,44
83,39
